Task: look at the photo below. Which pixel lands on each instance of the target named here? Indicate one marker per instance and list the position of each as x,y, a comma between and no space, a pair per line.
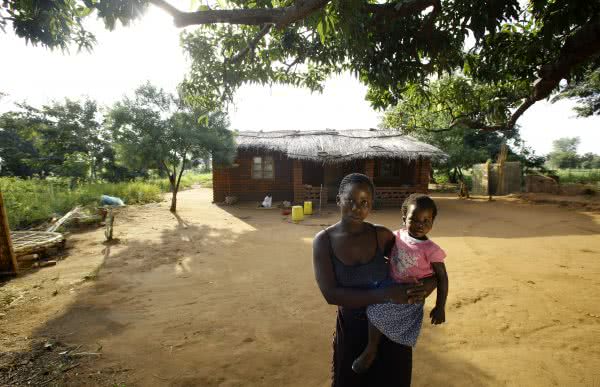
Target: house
303,165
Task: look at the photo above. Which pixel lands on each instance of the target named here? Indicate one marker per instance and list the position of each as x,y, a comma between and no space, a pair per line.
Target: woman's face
355,202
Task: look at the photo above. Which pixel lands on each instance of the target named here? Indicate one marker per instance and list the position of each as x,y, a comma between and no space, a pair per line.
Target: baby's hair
356,178
421,201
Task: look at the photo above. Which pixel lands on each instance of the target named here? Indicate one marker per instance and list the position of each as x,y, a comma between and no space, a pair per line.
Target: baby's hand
438,315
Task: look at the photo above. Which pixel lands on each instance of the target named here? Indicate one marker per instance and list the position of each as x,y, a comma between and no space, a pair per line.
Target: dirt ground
225,296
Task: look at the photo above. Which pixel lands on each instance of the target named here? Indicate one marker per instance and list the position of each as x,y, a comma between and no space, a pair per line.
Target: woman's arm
354,298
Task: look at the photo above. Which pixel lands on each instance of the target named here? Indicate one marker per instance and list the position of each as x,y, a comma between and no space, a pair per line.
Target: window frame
259,173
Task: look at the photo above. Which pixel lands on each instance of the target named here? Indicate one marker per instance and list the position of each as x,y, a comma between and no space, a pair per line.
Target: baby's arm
438,314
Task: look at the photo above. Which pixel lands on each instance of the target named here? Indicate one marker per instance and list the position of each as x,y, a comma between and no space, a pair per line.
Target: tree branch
400,9
279,16
251,44
582,45
283,16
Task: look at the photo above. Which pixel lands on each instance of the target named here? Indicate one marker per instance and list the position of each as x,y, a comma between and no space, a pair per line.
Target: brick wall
370,168
423,169
298,189
288,184
238,181
389,192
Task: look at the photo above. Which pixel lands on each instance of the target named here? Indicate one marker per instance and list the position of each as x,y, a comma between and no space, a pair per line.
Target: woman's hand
407,294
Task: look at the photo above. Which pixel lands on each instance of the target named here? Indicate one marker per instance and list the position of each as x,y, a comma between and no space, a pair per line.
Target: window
402,171
389,167
262,167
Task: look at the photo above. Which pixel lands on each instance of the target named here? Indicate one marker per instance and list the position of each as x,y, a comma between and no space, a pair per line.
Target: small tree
158,130
564,153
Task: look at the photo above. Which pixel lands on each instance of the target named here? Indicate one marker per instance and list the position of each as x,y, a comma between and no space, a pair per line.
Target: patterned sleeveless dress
393,365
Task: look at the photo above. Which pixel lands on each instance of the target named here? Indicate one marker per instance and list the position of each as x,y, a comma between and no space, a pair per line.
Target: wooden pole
320,198
8,261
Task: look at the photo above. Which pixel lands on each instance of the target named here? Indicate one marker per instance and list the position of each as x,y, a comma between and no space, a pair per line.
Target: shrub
582,176
34,201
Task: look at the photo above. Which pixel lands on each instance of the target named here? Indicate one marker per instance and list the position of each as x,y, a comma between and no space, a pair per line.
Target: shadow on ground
190,303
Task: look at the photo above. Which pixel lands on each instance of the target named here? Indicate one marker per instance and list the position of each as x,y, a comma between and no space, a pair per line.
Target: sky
149,50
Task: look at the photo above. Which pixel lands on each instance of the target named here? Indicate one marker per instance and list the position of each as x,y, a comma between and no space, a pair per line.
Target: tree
566,144
158,130
564,153
441,113
388,44
42,140
586,92
590,161
16,149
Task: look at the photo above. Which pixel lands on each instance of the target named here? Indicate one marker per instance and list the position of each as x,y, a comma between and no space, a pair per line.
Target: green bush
34,201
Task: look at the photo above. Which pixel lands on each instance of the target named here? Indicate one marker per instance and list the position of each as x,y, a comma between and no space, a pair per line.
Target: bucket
308,208
297,213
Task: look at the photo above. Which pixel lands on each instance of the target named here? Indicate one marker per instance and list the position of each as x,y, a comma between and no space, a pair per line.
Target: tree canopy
61,138
387,44
158,130
564,155
442,113
587,93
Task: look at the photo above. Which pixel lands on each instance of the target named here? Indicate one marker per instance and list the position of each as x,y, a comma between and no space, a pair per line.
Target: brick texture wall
297,178
423,169
238,181
370,168
288,184
390,192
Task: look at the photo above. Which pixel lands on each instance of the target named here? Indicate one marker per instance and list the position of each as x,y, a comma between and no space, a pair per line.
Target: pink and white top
411,258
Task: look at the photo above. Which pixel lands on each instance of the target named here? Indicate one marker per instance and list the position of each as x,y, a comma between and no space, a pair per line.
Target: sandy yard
226,297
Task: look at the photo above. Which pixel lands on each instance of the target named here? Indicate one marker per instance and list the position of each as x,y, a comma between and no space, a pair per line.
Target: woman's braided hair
420,201
356,178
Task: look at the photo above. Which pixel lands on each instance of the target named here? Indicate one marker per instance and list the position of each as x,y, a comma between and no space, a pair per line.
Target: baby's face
419,221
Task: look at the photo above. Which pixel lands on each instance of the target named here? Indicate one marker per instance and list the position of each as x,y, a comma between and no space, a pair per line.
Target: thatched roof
338,145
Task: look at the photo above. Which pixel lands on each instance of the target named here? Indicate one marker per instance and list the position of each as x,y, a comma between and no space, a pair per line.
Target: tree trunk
175,184
174,202
453,176
431,177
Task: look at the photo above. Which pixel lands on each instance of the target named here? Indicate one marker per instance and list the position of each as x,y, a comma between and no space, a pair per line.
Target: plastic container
308,208
297,213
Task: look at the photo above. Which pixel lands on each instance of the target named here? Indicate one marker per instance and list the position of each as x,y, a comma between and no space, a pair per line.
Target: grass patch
582,176
33,201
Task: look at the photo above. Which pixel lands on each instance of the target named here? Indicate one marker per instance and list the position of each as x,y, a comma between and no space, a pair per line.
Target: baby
413,257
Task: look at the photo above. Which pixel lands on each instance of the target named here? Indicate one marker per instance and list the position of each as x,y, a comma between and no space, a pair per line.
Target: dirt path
226,297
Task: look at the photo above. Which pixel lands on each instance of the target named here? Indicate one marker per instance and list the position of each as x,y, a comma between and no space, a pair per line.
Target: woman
349,263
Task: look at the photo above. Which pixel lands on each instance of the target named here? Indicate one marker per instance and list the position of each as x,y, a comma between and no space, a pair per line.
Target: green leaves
386,44
439,113
586,91
163,132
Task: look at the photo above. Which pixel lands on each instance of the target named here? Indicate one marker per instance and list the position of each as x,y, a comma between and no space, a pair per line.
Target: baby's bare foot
362,363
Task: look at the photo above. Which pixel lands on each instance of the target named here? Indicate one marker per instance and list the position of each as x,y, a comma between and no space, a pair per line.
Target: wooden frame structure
8,261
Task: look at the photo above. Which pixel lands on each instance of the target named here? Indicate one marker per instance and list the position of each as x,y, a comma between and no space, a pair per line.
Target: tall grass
584,176
34,201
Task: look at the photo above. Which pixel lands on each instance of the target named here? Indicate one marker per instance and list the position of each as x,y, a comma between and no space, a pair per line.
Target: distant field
33,201
585,176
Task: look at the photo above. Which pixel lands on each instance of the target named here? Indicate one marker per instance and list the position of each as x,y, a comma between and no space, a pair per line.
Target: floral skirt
400,323
392,367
